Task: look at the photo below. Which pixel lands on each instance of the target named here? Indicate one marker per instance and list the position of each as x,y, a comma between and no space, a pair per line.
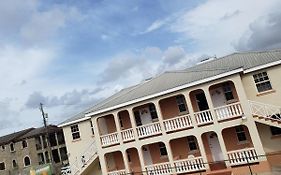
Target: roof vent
207,59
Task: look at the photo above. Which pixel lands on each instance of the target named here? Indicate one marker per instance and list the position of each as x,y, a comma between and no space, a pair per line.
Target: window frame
153,112
191,140
92,127
162,149
262,82
181,103
227,91
4,166
75,132
240,131
275,131
12,145
14,163
24,146
25,162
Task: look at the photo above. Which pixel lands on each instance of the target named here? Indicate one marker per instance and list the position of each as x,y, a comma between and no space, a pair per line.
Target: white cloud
216,25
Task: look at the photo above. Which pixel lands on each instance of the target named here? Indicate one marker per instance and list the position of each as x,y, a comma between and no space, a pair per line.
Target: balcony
178,123
128,135
109,139
189,165
148,130
242,156
117,172
159,169
203,117
228,111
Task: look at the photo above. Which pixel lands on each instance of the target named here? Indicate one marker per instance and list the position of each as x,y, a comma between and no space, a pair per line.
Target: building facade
25,150
219,116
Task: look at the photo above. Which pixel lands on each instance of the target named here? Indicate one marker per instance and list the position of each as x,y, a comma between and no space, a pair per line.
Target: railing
177,123
65,170
189,165
117,172
203,117
243,156
88,154
228,111
128,135
149,130
159,169
109,139
265,110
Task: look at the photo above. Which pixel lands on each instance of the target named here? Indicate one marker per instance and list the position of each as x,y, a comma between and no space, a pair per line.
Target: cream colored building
219,116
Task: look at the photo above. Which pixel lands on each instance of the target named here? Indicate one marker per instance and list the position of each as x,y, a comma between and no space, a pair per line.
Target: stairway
83,162
266,113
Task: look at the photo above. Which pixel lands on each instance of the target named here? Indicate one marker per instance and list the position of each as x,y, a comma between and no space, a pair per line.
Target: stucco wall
270,98
169,108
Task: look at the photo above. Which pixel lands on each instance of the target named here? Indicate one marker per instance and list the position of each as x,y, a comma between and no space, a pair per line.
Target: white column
126,162
170,155
210,103
118,127
134,126
103,164
141,160
190,110
160,118
202,151
223,148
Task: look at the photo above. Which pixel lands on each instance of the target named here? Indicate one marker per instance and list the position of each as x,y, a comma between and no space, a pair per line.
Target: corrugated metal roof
172,79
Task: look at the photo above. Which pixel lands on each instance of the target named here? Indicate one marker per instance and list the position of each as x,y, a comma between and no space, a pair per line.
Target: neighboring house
26,149
217,116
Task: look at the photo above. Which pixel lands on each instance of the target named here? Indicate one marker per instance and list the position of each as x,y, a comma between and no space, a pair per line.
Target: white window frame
241,132
76,131
4,166
192,140
22,144
14,160
260,78
180,99
24,161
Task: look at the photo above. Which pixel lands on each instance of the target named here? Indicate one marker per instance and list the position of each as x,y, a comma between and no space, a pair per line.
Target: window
120,122
262,82
192,143
60,137
52,139
24,144
47,157
128,156
137,118
275,131
38,143
14,163
92,127
63,153
2,165
55,154
227,91
153,112
75,132
26,161
12,147
3,147
181,103
41,160
163,150
240,132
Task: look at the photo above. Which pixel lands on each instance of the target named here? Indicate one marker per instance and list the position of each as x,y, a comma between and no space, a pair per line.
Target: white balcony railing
178,123
159,169
109,139
189,165
228,111
203,117
243,156
149,130
128,135
117,172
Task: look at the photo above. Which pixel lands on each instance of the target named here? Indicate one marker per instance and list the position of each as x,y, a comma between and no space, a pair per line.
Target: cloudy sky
70,54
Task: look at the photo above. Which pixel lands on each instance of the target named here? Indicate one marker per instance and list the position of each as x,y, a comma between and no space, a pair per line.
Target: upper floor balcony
181,111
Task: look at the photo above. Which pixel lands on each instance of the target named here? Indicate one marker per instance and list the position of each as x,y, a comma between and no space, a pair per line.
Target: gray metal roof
173,79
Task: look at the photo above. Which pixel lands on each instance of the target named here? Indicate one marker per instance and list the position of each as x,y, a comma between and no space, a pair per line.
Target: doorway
202,101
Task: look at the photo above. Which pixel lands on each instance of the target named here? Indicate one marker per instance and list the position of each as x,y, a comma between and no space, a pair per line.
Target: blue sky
71,54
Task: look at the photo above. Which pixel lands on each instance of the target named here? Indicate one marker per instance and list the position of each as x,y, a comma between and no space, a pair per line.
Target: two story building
219,116
27,149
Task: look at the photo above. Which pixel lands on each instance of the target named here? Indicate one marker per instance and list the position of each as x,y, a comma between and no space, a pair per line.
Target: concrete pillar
134,126
210,103
141,160
202,150
126,162
170,155
103,164
190,110
118,127
160,118
223,148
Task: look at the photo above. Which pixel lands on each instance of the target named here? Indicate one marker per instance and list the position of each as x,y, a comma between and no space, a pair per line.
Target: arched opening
27,161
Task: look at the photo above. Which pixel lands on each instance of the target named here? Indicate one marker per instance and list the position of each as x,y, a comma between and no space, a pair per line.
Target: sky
70,54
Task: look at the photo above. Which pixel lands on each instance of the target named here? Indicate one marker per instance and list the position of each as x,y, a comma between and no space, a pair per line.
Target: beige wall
169,108
93,169
274,74
135,162
270,143
155,154
76,147
180,149
124,116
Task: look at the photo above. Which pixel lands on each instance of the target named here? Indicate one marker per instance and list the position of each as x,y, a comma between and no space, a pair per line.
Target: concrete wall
180,149
169,108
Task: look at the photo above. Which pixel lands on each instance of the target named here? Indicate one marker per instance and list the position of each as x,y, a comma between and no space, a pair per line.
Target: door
218,97
146,155
215,147
145,116
201,101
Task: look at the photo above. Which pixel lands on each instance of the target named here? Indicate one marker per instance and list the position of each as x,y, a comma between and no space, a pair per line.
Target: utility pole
44,115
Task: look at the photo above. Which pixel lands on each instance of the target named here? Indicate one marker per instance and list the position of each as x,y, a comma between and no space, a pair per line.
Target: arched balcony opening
107,130
126,126
133,160
115,163
175,113
225,101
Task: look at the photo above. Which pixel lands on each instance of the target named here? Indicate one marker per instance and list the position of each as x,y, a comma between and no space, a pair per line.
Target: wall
270,98
180,149
76,147
169,108
135,162
155,154
233,143
124,116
